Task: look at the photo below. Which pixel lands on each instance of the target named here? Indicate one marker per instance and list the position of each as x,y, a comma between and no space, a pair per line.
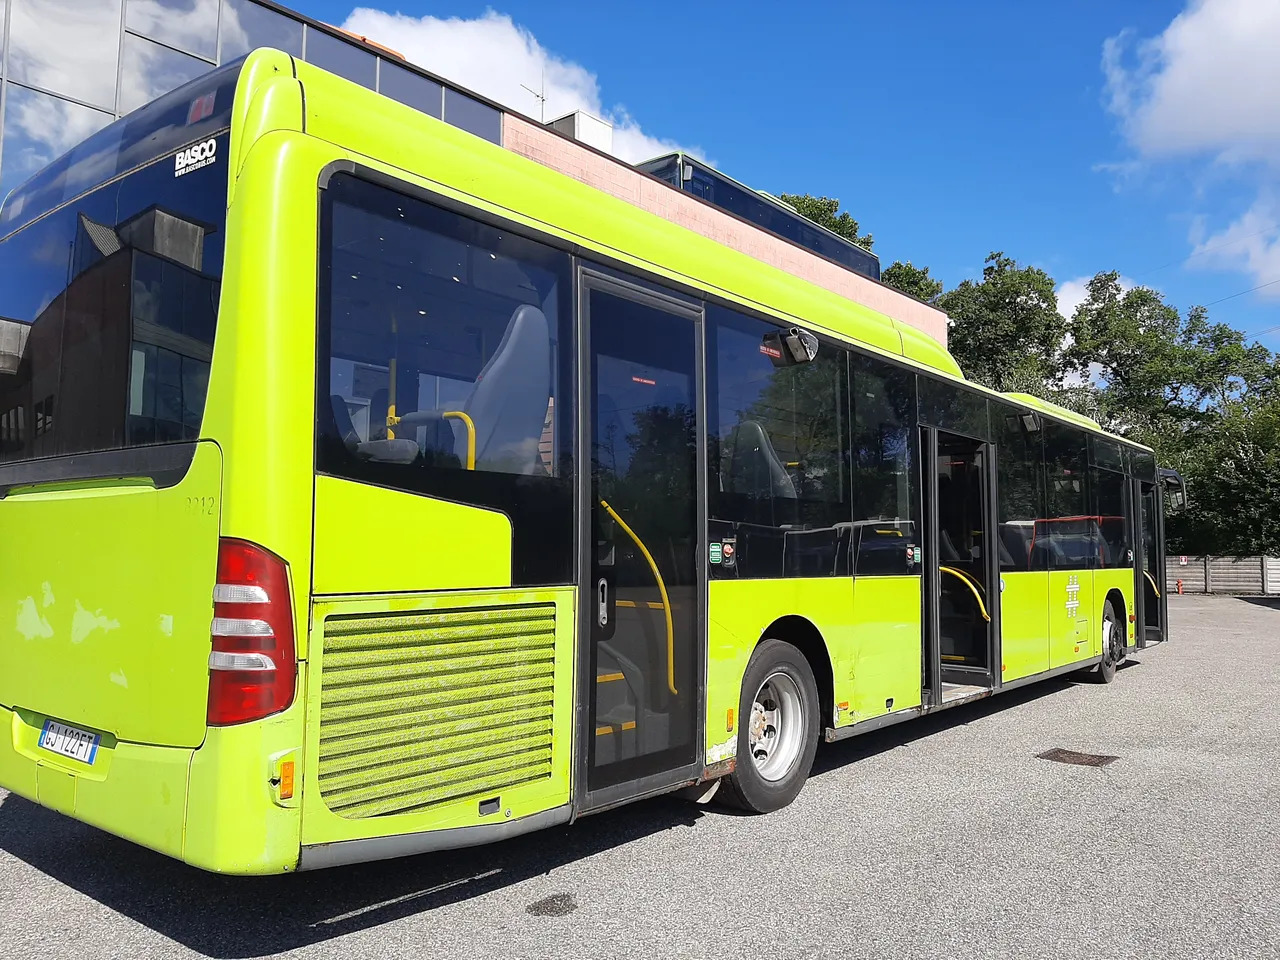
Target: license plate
69,741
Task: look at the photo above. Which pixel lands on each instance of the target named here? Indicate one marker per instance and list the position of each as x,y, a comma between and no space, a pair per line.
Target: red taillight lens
253,666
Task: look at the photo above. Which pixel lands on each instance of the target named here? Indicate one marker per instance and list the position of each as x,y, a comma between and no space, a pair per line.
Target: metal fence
1243,575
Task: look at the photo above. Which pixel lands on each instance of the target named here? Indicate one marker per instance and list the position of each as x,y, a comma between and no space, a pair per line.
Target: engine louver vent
421,709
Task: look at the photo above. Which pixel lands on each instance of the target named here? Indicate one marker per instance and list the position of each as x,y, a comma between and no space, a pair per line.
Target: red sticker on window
769,351
200,108
647,383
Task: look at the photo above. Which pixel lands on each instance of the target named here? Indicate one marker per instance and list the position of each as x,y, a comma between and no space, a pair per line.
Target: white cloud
493,56
1205,85
1251,243
1204,91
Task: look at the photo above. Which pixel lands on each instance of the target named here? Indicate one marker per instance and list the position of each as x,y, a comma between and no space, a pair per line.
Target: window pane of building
344,59
151,70
884,468
58,45
1020,486
409,88
190,25
472,115
779,443
38,129
247,26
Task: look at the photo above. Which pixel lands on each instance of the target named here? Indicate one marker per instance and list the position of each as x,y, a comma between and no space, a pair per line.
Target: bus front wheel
777,732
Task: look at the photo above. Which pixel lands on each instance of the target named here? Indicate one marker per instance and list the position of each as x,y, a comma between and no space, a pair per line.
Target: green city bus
368,489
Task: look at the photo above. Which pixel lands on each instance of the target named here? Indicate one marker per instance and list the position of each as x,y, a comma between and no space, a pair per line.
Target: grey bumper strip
335,854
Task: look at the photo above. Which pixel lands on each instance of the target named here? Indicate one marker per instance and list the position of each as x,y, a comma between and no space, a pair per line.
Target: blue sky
1085,136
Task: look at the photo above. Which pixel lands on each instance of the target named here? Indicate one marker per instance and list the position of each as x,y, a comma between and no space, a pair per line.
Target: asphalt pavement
942,837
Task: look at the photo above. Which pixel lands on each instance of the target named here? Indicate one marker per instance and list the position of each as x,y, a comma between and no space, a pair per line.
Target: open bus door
1154,500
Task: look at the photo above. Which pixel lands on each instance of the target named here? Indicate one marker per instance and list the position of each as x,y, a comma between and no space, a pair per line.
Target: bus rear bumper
212,807
133,791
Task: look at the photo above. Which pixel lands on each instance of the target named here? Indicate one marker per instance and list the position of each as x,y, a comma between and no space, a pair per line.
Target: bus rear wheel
777,732
1112,644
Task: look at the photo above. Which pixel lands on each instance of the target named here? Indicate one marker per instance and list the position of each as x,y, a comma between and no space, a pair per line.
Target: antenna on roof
541,96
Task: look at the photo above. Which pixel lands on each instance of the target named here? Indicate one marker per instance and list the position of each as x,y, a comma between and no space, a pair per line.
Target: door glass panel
645,599
962,556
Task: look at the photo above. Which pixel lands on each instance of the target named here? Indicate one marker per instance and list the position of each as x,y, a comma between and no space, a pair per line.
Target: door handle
602,601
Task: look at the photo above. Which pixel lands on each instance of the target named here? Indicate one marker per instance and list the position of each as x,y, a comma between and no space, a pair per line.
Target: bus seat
387,451
755,469
508,404
1006,558
947,548
341,418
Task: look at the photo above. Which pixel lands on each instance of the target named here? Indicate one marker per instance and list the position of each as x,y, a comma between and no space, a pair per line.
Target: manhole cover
556,905
1058,755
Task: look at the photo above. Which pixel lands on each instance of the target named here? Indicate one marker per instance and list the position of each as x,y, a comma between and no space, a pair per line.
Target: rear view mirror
1175,490
788,347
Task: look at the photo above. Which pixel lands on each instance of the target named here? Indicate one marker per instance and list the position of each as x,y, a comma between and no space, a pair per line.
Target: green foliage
825,211
913,280
1006,331
1232,468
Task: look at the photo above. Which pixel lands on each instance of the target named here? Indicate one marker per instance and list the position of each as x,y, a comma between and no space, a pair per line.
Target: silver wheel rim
776,728
1109,651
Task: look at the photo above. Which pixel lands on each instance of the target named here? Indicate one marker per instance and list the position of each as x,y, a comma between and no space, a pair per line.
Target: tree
1232,469
913,280
823,212
1005,330
1156,374
1207,401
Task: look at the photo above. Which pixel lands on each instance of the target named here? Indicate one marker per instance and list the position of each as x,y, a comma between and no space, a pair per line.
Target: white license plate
69,742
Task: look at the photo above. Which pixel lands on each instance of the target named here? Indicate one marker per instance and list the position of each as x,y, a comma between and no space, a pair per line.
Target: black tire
747,788
1112,644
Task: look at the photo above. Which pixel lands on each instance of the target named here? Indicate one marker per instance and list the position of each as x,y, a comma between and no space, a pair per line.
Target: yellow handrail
471,434
393,421
965,579
662,589
1147,574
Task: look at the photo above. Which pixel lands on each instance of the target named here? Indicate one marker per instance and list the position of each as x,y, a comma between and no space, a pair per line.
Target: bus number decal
201,506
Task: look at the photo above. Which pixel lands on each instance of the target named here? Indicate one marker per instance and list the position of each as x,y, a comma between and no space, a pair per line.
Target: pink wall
534,141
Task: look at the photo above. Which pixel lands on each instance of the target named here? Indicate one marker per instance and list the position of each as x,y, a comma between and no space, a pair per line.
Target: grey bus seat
508,404
386,451
341,417
755,469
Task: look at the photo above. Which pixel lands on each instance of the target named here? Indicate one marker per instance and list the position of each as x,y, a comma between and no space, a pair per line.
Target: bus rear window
107,313
190,115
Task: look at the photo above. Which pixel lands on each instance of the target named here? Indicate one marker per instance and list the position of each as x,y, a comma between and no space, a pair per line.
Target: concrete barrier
1240,575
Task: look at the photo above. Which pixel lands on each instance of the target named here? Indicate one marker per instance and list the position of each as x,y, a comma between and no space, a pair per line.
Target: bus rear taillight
253,667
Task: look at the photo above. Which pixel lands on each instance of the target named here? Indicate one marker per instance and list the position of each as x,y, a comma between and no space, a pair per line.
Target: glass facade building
70,67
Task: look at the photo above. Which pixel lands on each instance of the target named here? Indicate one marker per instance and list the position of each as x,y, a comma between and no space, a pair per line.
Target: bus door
1145,587
1149,589
642,635
959,566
